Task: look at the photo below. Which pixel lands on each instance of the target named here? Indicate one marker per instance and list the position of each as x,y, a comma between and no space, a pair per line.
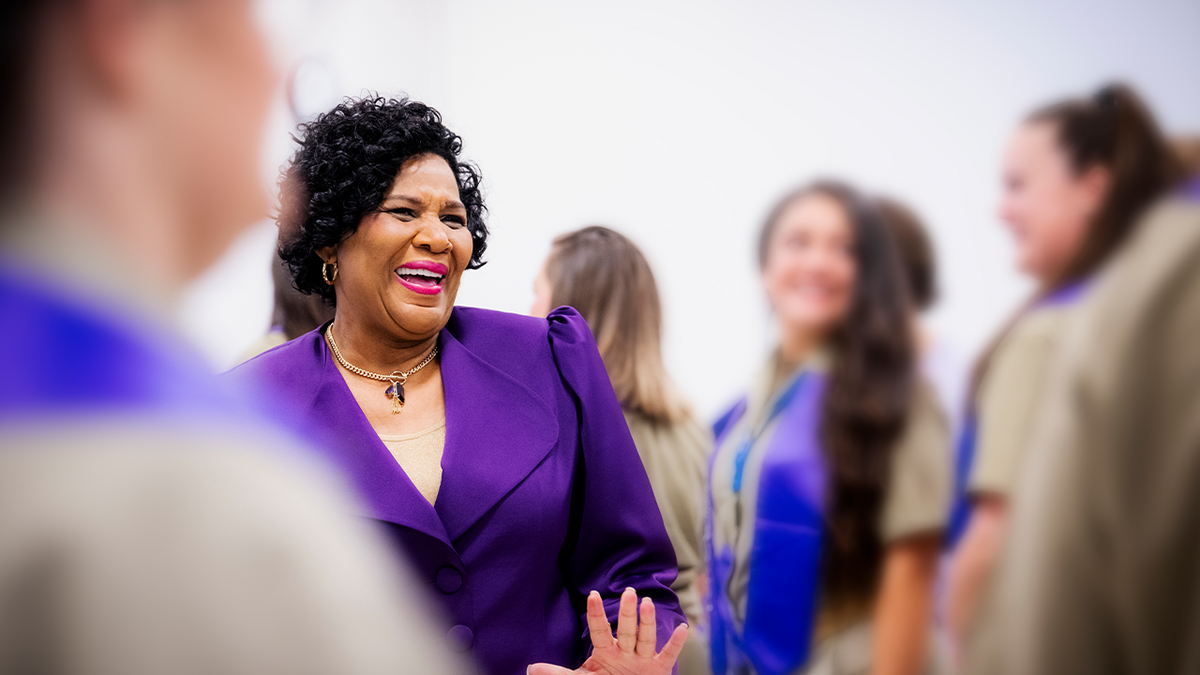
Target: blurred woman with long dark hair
1078,175
604,276
830,483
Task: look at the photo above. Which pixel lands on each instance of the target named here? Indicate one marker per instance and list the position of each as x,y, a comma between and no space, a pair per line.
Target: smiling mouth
424,281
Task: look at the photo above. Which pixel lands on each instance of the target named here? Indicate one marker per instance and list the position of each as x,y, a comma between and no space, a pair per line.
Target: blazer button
449,580
460,638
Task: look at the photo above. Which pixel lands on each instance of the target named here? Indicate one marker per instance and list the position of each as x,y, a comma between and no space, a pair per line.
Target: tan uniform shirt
676,458
1011,397
1101,573
676,461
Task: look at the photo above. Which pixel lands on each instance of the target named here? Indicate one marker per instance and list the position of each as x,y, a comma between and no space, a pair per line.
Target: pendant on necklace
396,391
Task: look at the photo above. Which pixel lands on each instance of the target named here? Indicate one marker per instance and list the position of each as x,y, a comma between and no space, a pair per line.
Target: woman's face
1047,205
810,269
398,274
542,294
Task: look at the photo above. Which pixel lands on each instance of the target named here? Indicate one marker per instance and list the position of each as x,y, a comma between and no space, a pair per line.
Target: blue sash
966,445
785,559
964,461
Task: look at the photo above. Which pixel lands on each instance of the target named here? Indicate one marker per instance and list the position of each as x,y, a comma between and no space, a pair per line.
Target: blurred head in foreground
138,121
151,520
1077,175
604,276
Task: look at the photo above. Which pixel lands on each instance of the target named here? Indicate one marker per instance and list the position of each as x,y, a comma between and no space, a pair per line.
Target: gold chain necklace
397,378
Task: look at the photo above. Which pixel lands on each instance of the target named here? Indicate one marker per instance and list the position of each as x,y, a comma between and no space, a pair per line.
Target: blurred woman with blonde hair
604,276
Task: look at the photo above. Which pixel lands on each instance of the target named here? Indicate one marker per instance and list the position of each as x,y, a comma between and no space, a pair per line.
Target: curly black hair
345,166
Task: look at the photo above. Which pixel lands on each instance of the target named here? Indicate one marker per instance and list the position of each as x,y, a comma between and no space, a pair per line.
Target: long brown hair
867,396
604,276
1113,129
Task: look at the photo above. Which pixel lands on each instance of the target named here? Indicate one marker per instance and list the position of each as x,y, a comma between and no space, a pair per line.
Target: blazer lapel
381,483
497,432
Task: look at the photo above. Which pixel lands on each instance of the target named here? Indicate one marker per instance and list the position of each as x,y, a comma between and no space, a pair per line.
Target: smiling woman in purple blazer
490,446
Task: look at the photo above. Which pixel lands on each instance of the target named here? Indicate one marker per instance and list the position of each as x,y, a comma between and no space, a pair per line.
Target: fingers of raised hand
647,632
633,647
671,651
598,627
627,619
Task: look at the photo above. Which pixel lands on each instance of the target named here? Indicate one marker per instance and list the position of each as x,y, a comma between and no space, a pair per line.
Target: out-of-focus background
679,124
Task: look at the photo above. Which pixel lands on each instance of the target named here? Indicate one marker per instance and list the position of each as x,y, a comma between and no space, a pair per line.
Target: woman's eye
456,221
403,214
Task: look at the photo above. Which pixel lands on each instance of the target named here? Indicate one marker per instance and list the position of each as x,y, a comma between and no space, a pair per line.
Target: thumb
547,669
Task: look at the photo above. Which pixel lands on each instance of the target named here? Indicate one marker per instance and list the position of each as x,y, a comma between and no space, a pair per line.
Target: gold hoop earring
325,272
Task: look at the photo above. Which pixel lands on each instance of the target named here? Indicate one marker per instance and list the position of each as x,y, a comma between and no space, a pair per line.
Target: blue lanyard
743,452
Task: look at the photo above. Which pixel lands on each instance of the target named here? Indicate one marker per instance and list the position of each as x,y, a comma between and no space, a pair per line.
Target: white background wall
679,123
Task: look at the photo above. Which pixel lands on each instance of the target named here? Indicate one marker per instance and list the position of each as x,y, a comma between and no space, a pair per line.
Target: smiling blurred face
398,274
1047,205
810,269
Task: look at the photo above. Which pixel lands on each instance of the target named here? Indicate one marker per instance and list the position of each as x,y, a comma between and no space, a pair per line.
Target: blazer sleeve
620,541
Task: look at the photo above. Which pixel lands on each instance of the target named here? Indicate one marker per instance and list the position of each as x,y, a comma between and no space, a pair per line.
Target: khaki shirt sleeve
918,498
1009,401
675,457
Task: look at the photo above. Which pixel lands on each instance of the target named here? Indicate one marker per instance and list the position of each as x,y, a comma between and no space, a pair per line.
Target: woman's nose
432,236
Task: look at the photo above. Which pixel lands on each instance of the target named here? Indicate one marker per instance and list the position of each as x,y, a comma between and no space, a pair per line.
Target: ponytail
1114,130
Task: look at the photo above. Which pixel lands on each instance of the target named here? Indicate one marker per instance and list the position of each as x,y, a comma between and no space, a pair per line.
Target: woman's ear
328,254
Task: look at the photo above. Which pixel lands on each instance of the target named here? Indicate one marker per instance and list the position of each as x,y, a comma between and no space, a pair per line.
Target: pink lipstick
422,276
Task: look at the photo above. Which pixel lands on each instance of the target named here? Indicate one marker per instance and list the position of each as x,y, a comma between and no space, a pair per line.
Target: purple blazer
543,496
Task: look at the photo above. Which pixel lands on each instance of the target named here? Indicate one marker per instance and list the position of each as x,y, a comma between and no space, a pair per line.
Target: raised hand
631,652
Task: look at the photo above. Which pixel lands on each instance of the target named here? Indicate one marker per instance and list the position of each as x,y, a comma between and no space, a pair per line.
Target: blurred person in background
830,484
490,446
941,364
149,521
603,276
1099,575
293,314
1078,175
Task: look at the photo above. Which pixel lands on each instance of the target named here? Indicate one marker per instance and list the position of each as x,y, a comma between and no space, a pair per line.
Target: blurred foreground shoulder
127,547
